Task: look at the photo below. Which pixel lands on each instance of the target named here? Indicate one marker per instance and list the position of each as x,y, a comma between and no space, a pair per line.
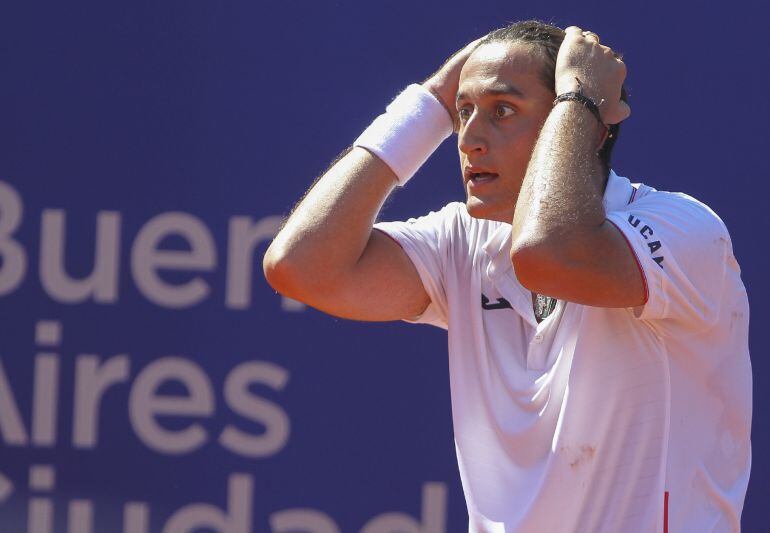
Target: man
598,329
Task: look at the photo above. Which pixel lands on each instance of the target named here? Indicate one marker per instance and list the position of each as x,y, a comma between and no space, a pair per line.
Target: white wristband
412,127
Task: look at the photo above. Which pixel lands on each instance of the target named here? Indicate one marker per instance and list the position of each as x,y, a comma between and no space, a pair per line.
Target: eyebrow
497,90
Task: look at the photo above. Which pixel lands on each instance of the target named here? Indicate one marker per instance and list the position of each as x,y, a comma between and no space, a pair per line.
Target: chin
477,208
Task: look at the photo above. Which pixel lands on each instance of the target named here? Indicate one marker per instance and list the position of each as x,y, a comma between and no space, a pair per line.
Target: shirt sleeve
682,247
426,241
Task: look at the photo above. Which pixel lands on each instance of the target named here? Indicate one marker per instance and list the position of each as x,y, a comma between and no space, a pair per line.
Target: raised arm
328,256
563,246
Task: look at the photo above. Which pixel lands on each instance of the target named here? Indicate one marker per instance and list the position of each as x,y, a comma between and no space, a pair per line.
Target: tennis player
598,328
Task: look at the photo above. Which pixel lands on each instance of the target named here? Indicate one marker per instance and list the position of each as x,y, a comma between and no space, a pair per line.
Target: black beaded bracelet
583,99
578,96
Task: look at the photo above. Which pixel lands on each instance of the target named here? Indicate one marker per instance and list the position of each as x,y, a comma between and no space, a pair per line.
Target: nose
471,139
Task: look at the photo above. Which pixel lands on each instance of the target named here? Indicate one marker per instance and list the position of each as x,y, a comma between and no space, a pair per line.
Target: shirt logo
501,303
647,232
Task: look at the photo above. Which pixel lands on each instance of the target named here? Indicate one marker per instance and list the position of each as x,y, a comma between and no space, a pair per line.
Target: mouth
482,177
476,178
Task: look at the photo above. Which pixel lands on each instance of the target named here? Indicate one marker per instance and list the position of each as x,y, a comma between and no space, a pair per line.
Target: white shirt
597,419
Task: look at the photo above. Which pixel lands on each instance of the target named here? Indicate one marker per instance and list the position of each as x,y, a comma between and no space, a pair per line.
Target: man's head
505,95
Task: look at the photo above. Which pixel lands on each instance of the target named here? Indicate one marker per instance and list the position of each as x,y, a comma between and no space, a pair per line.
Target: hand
601,73
446,80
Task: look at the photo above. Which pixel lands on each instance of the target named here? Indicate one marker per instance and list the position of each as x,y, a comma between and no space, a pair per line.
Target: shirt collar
618,193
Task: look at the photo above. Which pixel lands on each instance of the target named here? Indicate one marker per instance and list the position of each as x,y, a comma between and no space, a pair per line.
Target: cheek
525,139
515,151
518,145
531,129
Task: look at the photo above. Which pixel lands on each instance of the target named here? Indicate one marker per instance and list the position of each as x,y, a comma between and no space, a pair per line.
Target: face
502,103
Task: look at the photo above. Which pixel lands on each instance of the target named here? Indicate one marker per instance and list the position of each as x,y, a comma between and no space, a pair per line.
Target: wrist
590,125
580,83
566,84
579,94
582,100
434,87
412,127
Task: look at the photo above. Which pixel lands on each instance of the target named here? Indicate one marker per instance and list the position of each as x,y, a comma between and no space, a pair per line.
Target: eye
504,111
464,113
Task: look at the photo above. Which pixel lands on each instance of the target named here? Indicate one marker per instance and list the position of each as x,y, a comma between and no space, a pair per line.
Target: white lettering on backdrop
148,259
194,405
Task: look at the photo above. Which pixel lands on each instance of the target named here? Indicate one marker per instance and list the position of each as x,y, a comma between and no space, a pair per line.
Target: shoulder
673,227
677,211
679,232
683,249
435,229
453,211
451,221
450,229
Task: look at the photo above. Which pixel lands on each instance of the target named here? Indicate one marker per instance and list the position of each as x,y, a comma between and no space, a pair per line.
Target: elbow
534,265
278,271
292,276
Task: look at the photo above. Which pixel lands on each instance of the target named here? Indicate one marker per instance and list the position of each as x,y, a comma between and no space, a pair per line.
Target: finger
464,53
622,112
471,46
621,68
625,111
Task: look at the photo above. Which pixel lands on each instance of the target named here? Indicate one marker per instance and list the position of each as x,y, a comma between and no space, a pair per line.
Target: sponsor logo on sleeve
648,233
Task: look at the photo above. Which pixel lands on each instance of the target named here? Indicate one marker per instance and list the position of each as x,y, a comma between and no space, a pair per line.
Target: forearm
328,230
561,196
563,246
322,250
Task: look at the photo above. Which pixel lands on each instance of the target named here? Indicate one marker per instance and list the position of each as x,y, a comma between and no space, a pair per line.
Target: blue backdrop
151,381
